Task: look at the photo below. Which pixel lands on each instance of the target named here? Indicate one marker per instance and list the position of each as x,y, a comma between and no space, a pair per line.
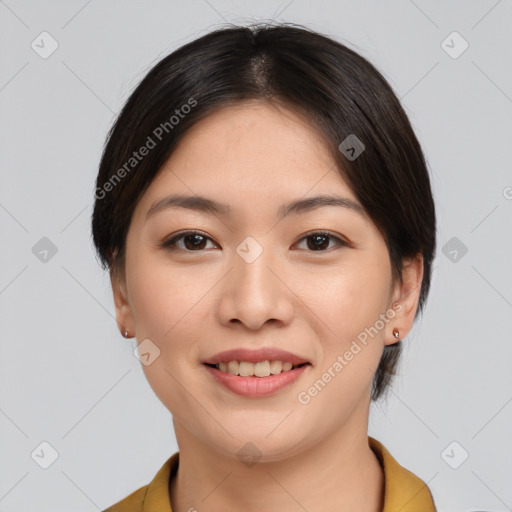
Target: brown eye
319,241
192,241
195,241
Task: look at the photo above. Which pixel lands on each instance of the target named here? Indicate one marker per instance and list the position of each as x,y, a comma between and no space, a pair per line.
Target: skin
193,303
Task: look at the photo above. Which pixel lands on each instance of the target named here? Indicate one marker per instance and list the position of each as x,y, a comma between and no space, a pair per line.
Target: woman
265,213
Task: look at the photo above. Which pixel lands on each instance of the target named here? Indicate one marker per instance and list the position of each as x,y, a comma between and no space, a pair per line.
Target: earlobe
407,296
123,311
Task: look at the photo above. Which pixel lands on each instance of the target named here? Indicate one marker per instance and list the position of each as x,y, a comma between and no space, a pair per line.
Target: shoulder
404,490
154,494
132,502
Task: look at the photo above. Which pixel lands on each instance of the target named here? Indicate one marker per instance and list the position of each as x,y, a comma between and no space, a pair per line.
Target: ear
405,299
124,315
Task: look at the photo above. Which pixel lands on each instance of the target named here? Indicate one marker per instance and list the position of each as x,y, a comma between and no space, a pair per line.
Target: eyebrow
203,204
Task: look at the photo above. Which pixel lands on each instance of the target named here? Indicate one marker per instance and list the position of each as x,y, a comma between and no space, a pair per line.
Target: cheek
161,297
167,308
351,307
351,300
352,349
170,308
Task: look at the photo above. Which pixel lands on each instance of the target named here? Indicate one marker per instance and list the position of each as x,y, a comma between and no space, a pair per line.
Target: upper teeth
261,369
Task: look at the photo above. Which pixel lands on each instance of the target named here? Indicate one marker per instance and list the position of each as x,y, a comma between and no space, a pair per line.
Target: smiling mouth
260,369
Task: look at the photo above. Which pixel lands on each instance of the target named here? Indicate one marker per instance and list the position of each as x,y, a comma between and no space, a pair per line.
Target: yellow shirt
403,490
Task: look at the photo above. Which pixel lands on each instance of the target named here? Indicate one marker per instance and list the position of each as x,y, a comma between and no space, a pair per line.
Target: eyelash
170,243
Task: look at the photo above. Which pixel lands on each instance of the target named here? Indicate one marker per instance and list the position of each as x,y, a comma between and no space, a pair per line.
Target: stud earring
396,333
125,334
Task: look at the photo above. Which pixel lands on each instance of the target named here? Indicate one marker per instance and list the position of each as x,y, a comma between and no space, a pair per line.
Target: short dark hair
340,93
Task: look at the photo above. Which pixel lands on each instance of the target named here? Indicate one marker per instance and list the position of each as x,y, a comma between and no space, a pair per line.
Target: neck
341,473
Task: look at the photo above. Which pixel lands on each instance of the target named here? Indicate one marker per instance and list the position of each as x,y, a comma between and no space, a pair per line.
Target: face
315,282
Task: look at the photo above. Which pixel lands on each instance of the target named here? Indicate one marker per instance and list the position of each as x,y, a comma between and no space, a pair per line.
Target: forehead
246,153
254,138
256,129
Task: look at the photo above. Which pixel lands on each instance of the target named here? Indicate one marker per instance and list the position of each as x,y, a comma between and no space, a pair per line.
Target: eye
193,241
318,240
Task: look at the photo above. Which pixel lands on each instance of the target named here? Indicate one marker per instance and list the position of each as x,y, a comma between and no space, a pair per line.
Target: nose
255,292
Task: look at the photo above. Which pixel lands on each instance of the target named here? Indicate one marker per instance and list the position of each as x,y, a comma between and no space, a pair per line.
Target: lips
257,387
255,356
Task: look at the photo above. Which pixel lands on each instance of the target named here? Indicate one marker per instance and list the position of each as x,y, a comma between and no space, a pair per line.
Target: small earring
125,334
396,333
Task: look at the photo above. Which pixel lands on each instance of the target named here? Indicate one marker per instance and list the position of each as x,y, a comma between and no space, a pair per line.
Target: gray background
69,379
